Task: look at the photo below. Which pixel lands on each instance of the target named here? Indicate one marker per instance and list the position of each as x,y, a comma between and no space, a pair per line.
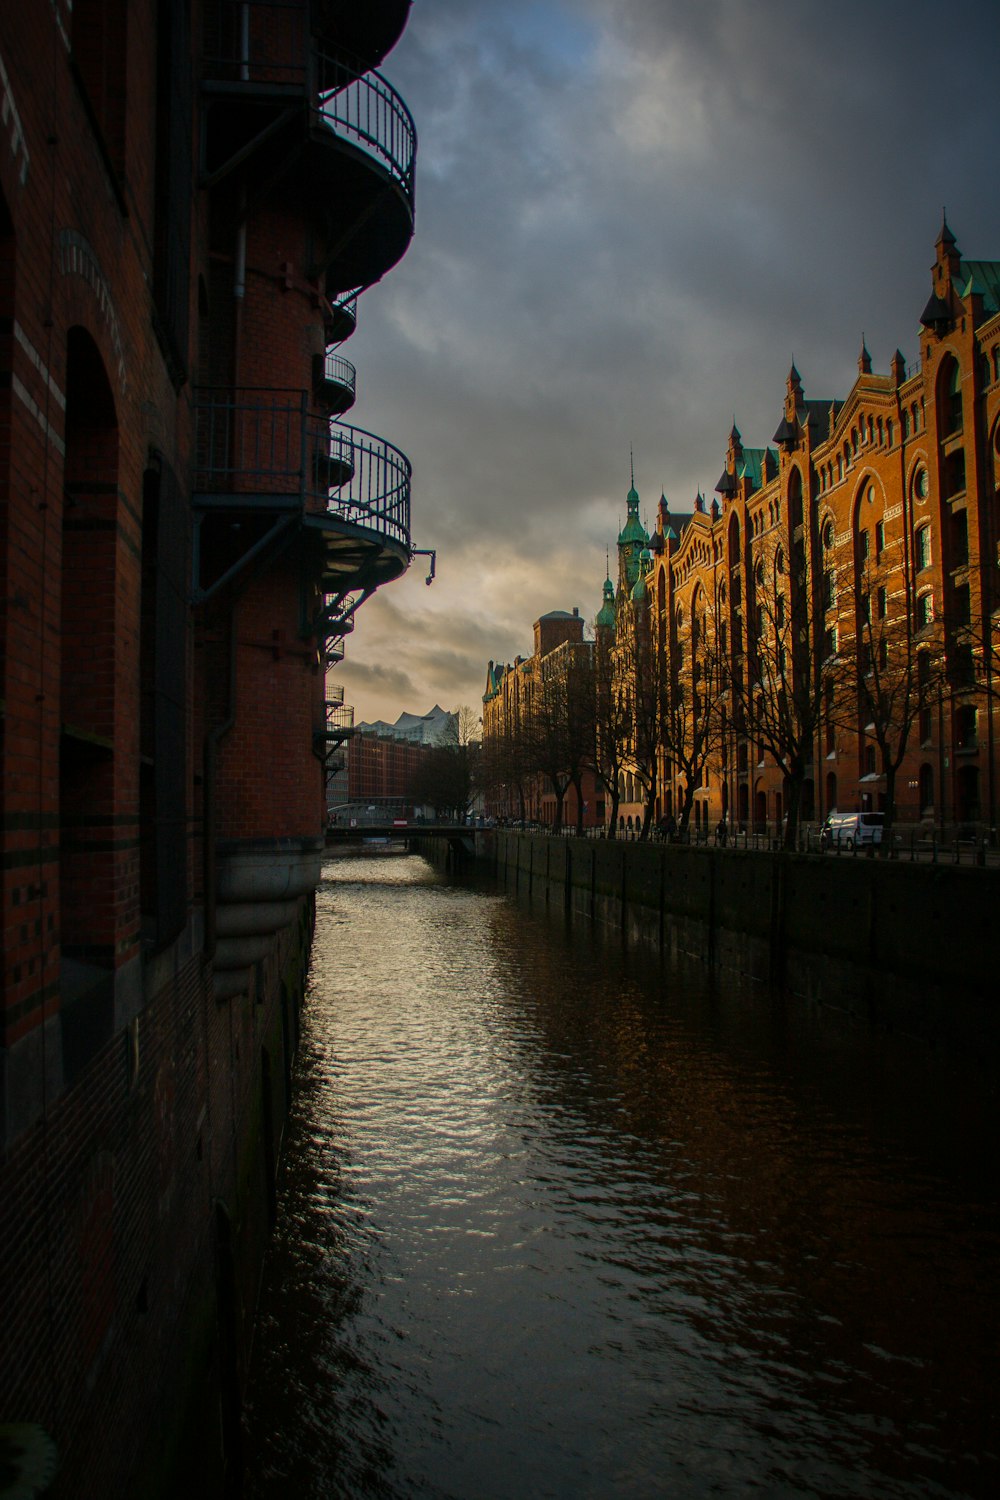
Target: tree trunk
578,788
686,806
885,848
795,780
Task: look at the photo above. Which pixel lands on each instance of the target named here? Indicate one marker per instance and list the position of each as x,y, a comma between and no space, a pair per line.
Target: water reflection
555,1222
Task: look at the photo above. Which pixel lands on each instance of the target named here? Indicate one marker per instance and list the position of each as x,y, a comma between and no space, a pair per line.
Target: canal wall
904,945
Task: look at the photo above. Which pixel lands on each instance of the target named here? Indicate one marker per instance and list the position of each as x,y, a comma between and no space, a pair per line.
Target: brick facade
854,561
185,224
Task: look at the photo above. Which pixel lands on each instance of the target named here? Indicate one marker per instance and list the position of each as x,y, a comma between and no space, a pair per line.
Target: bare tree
611,725
468,724
639,673
692,680
560,730
781,695
898,669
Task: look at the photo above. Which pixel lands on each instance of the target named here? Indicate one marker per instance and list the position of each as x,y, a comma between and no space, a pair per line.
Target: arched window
924,610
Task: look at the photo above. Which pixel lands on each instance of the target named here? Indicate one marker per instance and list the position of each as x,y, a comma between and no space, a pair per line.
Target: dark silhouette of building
193,198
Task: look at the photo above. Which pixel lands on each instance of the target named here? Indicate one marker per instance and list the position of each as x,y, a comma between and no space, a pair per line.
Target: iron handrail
267,43
264,446
368,112
339,371
345,304
340,719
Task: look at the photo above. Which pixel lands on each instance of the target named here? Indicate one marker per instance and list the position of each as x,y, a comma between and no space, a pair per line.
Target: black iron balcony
334,382
261,60
339,721
341,317
264,451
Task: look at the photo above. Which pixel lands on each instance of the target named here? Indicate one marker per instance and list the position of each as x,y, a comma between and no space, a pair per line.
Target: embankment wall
908,945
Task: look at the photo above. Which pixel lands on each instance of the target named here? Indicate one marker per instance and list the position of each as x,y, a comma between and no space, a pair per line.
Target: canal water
555,1221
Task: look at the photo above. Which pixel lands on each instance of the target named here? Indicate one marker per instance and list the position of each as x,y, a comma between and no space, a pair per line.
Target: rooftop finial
631,466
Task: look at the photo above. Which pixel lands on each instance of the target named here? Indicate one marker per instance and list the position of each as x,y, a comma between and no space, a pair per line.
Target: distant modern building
382,760
438,727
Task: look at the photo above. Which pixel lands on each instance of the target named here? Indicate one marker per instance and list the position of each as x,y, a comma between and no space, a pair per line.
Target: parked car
851,830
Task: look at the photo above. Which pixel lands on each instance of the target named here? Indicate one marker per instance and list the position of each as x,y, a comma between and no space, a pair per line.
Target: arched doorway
760,811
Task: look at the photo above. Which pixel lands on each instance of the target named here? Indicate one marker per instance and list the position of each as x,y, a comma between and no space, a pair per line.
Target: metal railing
339,371
911,845
266,447
367,112
267,43
339,720
335,694
345,305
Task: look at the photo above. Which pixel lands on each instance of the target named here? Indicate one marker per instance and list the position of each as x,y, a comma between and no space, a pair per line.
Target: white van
851,830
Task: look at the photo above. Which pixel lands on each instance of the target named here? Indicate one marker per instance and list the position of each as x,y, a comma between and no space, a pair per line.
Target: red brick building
192,198
528,712
825,632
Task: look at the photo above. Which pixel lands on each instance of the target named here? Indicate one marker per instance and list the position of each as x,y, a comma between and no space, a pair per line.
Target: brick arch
863,512
88,302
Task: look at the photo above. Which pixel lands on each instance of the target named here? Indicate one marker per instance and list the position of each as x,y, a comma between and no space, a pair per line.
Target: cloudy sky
631,216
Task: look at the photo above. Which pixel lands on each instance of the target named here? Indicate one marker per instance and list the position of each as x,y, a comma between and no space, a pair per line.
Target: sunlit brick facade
513,705
851,561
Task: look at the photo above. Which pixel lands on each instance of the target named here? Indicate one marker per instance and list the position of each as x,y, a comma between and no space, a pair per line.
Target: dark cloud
631,216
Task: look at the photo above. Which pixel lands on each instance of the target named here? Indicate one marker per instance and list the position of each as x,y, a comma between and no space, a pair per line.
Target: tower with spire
632,539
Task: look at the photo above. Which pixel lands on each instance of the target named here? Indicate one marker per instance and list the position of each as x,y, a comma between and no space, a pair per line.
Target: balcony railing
368,113
264,448
335,694
342,316
340,372
266,44
339,721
